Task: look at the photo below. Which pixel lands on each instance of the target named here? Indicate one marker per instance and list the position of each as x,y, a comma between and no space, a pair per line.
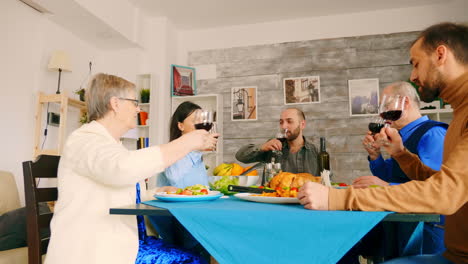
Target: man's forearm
412,166
250,153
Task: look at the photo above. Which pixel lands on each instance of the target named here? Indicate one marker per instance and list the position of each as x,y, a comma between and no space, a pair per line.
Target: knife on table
238,188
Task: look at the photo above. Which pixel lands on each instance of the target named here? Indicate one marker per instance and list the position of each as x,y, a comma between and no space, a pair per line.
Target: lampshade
60,60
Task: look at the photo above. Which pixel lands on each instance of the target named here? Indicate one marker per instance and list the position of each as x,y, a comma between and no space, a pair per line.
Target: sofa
9,200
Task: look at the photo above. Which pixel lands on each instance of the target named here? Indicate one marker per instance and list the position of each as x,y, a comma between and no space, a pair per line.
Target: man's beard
431,88
294,134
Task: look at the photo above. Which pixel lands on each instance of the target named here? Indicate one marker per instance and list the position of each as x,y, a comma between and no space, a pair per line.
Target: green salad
222,184
197,189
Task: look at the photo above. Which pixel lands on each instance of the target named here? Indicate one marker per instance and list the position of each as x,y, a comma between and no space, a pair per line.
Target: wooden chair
45,167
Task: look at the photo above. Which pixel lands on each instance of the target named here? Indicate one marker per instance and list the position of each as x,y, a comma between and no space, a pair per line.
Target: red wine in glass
375,127
282,139
206,126
392,115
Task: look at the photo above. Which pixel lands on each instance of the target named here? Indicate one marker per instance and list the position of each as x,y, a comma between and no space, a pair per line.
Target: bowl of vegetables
220,183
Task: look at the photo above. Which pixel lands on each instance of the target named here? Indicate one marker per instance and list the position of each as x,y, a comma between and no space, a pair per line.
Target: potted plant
84,118
81,93
145,95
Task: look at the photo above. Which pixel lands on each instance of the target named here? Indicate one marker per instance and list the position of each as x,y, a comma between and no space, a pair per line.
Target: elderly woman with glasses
96,173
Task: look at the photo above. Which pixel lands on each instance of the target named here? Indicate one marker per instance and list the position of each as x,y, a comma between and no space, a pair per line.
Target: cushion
9,198
13,232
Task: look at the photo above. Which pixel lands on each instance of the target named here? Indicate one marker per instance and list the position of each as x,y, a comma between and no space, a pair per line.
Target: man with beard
440,68
298,155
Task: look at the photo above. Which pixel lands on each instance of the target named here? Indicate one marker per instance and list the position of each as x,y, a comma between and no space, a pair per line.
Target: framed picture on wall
183,81
363,97
244,103
301,90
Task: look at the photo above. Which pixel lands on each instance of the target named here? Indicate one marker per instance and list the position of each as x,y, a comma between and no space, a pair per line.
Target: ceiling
197,14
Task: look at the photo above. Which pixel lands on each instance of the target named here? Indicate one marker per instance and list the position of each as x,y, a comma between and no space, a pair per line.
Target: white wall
356,24
30,38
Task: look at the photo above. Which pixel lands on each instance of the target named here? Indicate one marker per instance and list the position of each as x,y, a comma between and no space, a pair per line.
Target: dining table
236,231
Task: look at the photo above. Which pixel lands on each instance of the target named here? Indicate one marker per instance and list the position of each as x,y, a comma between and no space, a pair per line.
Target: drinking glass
281,136
391,107
203,120
376,124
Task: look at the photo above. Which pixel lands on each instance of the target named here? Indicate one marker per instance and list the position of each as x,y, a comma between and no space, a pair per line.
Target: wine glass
391,107
376,124
281,136
203,120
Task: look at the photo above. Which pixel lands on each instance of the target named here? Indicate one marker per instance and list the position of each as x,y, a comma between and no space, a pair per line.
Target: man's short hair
454,36
406,89
299,112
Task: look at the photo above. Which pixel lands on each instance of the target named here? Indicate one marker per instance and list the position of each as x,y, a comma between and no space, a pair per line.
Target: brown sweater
443,192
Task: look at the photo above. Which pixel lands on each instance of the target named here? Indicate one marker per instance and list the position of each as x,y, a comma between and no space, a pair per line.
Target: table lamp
59,61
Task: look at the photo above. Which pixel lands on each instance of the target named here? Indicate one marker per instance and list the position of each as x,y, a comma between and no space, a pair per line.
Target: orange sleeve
443,193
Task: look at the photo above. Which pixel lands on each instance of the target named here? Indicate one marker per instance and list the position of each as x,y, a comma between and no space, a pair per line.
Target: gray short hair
102,88
406,89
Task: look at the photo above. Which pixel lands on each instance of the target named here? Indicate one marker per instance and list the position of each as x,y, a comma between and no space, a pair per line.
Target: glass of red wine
282,137
203,120
391,109
376,124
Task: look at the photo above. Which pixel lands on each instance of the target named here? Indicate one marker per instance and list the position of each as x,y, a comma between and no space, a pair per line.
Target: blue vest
398,176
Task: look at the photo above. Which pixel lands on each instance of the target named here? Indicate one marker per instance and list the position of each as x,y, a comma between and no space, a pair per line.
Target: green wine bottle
323,156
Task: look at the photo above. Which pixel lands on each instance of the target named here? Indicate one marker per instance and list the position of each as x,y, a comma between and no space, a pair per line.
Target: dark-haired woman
190,169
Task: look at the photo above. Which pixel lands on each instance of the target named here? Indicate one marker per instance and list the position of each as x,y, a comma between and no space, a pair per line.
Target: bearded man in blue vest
421,136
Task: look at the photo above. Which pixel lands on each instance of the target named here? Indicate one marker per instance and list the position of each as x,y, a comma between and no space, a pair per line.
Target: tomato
278,188
204,191
342,184
294,189
261,187
186,192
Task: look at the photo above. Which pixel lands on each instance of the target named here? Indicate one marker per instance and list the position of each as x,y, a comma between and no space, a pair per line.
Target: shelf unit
64,101
143,81
443,115
212,102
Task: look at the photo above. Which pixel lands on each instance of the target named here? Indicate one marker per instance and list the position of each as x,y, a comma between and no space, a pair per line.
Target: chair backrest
45,167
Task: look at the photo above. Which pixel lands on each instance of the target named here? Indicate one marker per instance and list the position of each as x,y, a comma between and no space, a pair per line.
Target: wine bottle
323,156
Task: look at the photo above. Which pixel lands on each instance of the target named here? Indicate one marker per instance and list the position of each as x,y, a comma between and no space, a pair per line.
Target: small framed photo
301,90
363,97
183,81
244,103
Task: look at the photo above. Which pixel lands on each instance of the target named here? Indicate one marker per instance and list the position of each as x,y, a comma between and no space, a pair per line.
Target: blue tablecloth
237,231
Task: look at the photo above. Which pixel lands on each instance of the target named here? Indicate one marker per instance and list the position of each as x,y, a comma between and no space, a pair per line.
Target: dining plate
266,199
163,196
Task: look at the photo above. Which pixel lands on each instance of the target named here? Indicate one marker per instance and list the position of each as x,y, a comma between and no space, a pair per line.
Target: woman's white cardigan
96,173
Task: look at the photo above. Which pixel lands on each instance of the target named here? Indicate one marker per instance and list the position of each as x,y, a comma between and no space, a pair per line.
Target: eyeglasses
134,101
